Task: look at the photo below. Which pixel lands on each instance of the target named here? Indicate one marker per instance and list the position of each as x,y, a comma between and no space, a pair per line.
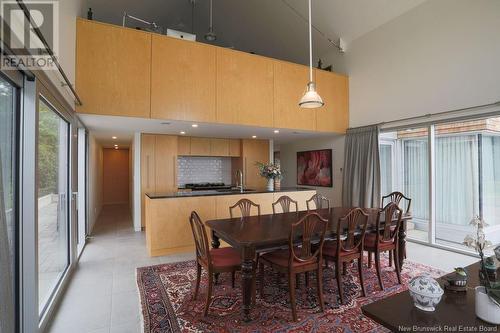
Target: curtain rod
49,50
430,115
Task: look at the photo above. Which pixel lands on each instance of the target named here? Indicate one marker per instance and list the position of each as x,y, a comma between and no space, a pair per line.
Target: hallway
102,294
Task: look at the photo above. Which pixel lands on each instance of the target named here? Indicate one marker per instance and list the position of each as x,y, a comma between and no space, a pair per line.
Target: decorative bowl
426,292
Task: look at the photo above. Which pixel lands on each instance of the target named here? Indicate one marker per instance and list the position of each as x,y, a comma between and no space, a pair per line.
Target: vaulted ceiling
274,28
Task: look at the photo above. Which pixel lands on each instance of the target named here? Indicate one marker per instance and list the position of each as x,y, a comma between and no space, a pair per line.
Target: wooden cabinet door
200,146
290,82
182,80
235,147
254,151
244,88
334,90
219,147
113,74
184,146
148,177
166,163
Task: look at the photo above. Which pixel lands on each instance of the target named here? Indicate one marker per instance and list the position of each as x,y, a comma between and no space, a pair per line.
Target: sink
235,190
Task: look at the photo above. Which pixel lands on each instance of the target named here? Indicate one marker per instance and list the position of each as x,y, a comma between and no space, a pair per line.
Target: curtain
491,179
361,181
6,281
416,176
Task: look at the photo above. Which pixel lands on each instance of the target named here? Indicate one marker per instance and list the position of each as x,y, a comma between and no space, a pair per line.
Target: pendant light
311,98
210,36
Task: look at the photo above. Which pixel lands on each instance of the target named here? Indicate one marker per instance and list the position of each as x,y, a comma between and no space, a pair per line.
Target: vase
270,184
486,309
277,184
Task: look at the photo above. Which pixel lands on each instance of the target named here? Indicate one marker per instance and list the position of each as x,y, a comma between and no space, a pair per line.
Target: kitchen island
167,214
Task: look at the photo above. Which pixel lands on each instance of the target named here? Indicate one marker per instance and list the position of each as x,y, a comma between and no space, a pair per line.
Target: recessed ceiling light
114,137
194,125
276,131
254,136
182,132
116,145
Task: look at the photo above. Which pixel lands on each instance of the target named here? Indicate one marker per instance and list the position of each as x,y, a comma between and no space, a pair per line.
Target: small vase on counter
270,184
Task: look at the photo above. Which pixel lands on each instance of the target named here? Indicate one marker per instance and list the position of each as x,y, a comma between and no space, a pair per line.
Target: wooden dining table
254,234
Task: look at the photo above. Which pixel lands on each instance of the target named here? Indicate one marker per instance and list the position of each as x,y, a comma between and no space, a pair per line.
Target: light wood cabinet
290,81
334,90
253,151
219,147
166,163
235,147
182,80
244,88
184,146
200,146
148,176
113,70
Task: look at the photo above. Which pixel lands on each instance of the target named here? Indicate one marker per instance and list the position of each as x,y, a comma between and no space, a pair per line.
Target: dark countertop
184,194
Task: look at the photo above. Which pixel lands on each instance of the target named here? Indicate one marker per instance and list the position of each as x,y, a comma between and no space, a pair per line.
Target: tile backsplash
201,169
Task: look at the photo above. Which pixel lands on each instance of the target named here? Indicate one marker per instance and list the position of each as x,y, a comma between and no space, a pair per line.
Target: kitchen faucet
239,180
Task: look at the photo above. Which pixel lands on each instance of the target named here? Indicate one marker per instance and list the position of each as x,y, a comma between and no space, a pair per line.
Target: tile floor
102,295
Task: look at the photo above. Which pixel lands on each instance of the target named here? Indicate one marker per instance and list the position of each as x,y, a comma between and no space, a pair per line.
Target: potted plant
271,172
488,294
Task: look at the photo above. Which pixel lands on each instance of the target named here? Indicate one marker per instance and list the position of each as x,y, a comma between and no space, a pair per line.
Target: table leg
401,244
247,276
215,245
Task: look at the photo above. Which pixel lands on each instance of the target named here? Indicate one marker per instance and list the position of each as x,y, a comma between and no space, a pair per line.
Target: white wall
95,180
439,56
288,159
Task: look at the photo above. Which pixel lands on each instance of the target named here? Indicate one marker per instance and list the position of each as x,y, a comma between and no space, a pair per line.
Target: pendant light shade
311,98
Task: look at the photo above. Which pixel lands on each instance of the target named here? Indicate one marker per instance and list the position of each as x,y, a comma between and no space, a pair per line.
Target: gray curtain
6,283
361,181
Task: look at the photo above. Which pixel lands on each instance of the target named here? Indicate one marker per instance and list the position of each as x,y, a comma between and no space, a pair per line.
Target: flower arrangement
269,171
479,243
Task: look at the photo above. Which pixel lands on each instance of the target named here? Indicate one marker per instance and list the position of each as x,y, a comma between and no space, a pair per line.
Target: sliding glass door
466,183
53,201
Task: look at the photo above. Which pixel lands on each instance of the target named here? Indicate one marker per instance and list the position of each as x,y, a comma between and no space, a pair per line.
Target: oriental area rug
166,293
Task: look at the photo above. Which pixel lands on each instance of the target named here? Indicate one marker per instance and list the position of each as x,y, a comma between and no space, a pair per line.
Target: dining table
262,233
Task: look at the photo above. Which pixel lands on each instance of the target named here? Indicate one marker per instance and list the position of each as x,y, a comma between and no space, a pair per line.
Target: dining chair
285,202
245,206
351,230
214,261
396,197
299,259
320,202
385,238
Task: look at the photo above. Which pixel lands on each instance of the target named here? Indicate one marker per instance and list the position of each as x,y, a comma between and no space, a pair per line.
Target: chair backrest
391,212
353,225
320,202
309,228
245,207
396,197
200,238
285,202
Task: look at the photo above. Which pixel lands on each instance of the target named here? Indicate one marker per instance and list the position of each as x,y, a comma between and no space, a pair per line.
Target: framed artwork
314,168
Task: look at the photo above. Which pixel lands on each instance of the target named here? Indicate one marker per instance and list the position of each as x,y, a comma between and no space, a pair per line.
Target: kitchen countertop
187,194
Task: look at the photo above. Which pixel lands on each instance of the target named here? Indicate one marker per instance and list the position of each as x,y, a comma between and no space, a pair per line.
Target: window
8,209
466,183
53,221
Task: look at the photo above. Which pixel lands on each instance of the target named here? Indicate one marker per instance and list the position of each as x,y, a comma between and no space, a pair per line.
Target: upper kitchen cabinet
334,90
244,88
290,81
182,80
113,70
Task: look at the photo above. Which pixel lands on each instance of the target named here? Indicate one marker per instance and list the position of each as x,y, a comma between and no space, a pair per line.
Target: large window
53,244
8,209
466,178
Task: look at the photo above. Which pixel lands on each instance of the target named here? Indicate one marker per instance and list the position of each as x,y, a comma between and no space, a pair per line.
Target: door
81,204
53,201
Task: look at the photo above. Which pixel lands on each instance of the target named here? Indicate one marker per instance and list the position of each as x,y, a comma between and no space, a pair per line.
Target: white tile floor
102,295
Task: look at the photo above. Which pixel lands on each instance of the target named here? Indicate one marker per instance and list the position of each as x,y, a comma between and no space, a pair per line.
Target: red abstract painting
314,168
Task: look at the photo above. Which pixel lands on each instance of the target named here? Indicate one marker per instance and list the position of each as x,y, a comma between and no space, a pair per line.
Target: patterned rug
167,305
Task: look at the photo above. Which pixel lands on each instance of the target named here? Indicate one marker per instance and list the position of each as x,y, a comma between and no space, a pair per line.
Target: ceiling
105,127
271,28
